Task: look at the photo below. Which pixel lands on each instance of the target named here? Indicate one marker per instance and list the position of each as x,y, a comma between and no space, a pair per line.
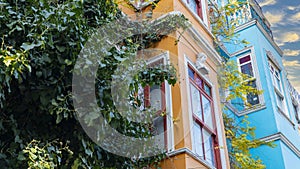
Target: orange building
194,132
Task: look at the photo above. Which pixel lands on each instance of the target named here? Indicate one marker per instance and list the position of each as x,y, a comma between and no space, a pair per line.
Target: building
195,133
275,113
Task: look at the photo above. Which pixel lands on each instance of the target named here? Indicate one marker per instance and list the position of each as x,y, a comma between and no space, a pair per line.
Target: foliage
239,134
235,84
40,44
241,138
224,28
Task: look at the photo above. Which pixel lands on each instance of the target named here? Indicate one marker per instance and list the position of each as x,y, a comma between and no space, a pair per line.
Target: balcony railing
251,11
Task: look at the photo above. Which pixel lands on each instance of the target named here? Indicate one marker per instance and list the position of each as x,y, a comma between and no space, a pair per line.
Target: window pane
252,99
207,89
247,69
245,59
208,147
207,112
196,102
191,73
193,6
198,82
279,102
158,130
155,98
197,140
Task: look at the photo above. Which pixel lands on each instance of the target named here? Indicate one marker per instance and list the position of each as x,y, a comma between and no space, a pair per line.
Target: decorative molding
201,59
286,141
192,154
247,111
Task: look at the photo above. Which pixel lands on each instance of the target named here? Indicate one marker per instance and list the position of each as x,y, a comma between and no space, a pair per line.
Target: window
198,7
245,64
276,80
204,132
154,98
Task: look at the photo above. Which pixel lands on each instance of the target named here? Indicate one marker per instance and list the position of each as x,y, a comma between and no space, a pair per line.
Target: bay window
204,138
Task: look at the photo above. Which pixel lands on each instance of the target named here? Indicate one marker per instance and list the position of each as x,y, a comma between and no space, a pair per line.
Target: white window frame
217,126
275,73
254,72
168,99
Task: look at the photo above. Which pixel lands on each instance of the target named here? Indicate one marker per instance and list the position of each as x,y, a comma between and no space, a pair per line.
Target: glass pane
159,131
207,89
207,112
245,59
155,98
279,102
253,99
197,140
191,73
198,82
193,6
208,147
196,102
247,69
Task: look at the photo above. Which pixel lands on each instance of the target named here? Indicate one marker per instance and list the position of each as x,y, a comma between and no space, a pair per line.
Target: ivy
40,42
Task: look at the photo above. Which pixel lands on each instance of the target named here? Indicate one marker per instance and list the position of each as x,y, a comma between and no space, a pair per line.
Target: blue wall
269,120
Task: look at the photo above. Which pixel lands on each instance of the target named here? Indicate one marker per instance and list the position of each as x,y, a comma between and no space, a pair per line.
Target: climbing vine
40,43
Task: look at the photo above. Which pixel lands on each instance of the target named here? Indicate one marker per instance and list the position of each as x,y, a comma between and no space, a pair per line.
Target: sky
284,17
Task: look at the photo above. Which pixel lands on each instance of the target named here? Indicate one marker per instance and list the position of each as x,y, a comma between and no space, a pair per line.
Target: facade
275,113
194,133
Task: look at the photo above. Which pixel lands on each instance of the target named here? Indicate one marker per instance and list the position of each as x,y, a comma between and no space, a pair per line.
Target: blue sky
284,16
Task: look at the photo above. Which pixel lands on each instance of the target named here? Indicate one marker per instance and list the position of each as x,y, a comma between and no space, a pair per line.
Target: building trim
286,141
269,38
247,111
192,154
205,45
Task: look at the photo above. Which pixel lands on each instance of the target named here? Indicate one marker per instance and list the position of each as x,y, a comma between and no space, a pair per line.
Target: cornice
254,22
286,141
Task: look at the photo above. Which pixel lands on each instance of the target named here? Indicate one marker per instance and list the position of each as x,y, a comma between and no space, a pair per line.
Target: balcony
250,10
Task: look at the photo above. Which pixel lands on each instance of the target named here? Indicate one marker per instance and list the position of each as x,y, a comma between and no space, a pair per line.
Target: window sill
278,92
254,108
192,154
282,113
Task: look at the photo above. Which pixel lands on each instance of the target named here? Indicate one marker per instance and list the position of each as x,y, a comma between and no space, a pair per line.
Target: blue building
275,113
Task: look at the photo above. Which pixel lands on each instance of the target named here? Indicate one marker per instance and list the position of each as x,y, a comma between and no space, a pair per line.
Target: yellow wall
189,48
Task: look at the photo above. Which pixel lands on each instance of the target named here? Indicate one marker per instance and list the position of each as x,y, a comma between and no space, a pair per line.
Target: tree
40,42
240,134
234,88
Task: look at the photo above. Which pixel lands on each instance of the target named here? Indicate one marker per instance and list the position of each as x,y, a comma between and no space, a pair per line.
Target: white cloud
267,2
291,63
296,16
293,68
289,52
289,37
292,8
274,18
